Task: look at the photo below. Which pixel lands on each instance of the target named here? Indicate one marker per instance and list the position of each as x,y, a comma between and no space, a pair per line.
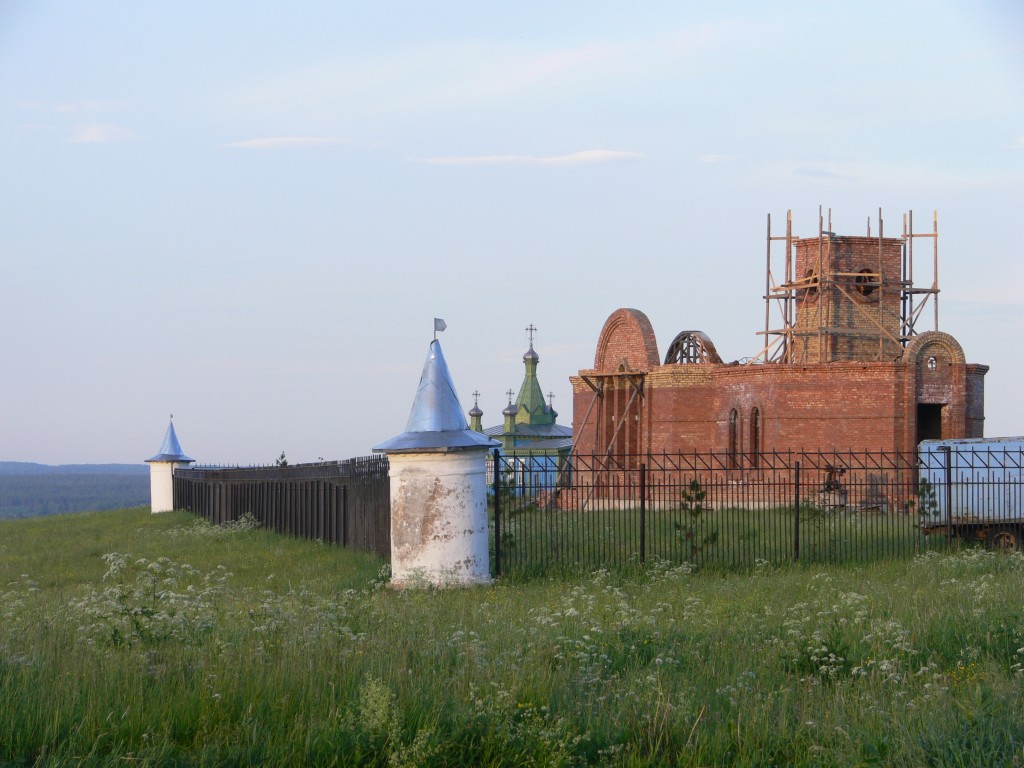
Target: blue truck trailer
972,489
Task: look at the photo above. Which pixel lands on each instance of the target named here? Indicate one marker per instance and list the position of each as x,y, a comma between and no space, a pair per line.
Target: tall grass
132,639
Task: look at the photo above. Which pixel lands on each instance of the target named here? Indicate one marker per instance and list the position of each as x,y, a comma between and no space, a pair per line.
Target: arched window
732,455
808,287
866,282
755,438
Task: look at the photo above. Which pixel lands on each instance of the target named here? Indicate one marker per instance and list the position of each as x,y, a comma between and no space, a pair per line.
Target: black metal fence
710,509
344,502
733,510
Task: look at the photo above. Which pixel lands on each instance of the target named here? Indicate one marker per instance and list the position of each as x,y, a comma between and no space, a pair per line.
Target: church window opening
866,283
755,438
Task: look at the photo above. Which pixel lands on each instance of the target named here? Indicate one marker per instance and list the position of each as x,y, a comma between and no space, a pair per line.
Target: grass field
133,639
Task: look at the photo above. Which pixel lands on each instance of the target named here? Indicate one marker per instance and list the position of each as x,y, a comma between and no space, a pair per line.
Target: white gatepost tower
161,471
439,529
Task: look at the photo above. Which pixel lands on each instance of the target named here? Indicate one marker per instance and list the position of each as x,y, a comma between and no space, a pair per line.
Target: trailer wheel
1005,539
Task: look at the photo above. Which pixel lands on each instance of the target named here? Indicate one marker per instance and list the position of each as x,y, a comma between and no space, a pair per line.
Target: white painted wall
439,530
161,486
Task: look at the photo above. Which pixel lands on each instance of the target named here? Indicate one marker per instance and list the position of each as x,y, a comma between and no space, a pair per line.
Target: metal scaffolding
784,289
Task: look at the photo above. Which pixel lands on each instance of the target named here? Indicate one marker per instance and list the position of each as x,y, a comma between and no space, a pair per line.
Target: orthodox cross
551,399
531,330
510,393
476,398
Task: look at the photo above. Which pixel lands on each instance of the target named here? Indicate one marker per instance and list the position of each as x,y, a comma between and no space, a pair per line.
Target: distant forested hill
29,490
29,468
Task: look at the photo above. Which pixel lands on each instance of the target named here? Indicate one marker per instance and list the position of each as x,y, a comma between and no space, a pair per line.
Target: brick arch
692,347
919,347
627,335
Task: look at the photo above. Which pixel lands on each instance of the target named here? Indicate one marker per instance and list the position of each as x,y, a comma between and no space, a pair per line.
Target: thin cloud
592,156
1018,143
80,122
588,156
713,159
85,107
287,142
101,133
819,172
411,78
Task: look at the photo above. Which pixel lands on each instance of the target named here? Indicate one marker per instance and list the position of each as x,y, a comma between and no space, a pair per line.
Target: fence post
497,513
949,490
796,513
344,515
643,513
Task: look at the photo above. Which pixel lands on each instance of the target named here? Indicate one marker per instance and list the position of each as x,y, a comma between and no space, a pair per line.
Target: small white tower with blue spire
161,471
439,528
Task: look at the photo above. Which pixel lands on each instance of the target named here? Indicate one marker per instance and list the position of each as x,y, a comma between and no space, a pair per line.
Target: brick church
844,365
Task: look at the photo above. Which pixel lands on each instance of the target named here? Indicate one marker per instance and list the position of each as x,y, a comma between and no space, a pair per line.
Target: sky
248,214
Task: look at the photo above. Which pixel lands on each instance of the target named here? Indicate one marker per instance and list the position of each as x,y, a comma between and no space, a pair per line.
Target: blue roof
436,422
535,431
171,448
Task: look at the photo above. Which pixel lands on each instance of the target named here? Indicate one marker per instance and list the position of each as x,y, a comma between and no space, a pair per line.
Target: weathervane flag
439,325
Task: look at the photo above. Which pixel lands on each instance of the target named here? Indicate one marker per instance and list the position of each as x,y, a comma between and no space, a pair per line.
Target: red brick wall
837,406
851,405
841,406
585,415
866,317
683,409
975,415
627,337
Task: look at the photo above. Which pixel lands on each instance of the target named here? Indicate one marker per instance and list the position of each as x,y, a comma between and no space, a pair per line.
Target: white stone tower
161,471
439,529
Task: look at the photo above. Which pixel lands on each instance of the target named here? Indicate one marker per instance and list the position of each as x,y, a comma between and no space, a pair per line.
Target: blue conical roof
171,448
436,422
